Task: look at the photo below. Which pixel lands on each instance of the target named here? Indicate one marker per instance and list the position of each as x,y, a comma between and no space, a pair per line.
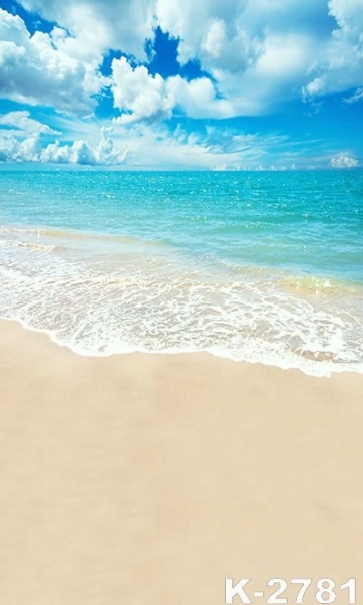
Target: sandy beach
149,479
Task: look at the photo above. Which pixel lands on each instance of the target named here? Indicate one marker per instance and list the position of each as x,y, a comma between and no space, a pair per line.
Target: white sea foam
34,246
127,301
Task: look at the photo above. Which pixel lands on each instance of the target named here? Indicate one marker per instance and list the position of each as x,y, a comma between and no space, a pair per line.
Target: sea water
256,266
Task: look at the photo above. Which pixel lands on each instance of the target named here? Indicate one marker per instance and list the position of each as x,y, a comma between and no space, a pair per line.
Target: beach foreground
150,478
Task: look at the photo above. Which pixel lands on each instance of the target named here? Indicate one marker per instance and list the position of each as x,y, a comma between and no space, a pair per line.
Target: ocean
253,266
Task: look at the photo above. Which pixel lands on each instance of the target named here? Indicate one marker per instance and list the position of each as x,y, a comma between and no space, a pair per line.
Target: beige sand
146,480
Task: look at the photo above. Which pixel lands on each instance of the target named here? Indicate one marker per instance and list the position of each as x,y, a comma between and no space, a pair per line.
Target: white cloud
198,98
143,97
38,69
339,65
348,14
259,54
146,145
101,24
137,92
12,150
199,24
79,152
358,96
154,146
19,123
106,152
214,40
344,160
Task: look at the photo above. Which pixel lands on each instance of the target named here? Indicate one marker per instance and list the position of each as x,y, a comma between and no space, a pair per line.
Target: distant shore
150,479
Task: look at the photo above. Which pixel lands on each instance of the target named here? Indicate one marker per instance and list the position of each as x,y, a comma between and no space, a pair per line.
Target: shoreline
142,478
175,353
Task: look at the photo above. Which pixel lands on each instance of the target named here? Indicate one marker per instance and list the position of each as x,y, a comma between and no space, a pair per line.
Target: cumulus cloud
152,145
200,25
77,153
254,56
258,53
80,152
232,40
12,150
137,92
339,65
40,68
143,145
344,160
198,98
101,24
143,97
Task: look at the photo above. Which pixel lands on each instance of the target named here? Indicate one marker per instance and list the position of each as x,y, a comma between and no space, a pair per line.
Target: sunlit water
264,267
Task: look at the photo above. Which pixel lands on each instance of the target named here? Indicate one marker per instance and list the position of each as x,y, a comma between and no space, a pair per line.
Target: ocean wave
32,246
170,307
71,234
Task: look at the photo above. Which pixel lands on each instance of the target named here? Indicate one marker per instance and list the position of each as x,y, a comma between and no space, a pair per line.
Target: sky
182,84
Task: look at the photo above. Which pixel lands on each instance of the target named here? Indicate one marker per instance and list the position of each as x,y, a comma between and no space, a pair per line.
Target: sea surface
256,266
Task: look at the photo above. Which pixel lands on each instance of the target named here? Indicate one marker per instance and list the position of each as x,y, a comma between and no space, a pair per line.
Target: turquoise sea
257,266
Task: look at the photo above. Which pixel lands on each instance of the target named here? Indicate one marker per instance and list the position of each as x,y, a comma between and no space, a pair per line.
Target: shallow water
265,267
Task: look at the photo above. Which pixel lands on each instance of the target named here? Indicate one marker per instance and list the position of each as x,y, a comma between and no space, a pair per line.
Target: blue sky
214,84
